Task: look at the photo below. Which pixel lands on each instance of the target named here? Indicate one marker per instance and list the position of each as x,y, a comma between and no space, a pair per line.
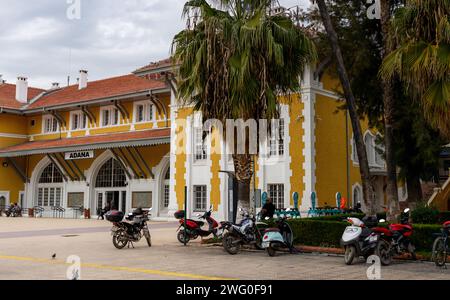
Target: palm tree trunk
243,167
414,190
368,190
389,106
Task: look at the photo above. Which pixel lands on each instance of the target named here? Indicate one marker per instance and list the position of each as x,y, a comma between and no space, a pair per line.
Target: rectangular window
200,200
276,193
79,121
276,143
50,124
200,147
166,195
110,116
40,197
144,112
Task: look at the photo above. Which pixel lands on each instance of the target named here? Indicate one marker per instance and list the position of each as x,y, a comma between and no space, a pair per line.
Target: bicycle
441,248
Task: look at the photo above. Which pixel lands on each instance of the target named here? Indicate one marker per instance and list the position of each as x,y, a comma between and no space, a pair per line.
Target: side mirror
267,218
407,210
382,221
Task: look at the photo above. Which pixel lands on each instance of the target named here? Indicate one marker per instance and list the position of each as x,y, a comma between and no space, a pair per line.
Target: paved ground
26,247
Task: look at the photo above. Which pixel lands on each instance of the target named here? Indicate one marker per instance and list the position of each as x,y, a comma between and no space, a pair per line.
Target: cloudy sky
112,37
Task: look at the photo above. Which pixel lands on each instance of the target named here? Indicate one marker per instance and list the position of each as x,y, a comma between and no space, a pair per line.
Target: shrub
345,216
425,215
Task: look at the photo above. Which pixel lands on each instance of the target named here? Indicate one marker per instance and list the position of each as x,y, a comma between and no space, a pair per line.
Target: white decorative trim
7,195
13,136
173,204
358,186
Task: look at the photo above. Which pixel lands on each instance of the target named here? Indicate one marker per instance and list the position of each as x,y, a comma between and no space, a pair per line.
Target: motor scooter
193,229
359,240
280,238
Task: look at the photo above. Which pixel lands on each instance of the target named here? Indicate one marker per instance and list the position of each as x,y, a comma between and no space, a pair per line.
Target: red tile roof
156,65
85,143
8,96
100,89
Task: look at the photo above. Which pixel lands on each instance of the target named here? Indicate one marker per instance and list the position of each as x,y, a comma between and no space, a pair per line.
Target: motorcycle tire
439,252
148,237
271,251
119,240
383,251
181,237
412,251
229,246
350,254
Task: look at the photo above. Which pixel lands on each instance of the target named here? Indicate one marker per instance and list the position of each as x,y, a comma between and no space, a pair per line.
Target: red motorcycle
194,228
395,240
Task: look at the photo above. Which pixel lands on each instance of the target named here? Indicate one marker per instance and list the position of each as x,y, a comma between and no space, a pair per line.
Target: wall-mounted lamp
5,164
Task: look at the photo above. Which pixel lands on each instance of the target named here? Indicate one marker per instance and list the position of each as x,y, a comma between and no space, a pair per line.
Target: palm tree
368,190
234,64
421,32
389,108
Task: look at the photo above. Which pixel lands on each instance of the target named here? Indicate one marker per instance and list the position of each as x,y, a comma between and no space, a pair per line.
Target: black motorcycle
130,230
248,232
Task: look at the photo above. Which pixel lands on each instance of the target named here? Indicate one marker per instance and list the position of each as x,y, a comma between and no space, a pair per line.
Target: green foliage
345,216
425,215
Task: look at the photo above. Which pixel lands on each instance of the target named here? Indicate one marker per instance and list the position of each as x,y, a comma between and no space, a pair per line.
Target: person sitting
268,209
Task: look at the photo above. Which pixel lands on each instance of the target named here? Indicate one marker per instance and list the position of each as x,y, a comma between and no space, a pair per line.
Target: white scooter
276,239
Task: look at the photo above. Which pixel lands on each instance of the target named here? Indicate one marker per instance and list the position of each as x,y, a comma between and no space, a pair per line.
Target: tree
421,59
368,189
235,62
389,107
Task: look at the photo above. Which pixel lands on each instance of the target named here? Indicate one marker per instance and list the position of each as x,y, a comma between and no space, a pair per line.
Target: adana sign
79,155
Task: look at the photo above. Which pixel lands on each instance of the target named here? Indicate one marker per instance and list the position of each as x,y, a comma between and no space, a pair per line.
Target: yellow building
127,142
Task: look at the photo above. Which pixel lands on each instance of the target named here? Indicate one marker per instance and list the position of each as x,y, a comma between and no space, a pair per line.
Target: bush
325,233
345,216
425,215
444,217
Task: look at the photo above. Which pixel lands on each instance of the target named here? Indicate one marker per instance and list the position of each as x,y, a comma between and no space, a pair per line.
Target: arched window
50,187
111,175
357,195
51,174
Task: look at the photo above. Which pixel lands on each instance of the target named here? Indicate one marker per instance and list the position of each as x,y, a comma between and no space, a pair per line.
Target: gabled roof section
155,66
8,96
96,90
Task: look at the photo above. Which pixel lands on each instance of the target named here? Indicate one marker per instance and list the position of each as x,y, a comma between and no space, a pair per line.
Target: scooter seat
272,230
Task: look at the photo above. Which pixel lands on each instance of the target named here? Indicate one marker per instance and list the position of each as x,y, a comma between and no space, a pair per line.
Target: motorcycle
13,212
441,246
360,239
193,229
130,230
396,240
276,239
248,232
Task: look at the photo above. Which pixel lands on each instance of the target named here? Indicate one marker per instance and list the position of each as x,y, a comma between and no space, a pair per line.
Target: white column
309,139
173,204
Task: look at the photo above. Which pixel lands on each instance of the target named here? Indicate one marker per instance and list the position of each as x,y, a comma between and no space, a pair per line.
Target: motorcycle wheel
350,253
439,252
181,237
148,237
229,246
271,251
383,251
119,240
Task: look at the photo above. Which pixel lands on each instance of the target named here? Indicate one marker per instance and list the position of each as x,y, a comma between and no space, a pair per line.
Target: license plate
265,245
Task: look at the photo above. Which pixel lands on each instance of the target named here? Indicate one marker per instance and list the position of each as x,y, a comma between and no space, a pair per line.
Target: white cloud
113,37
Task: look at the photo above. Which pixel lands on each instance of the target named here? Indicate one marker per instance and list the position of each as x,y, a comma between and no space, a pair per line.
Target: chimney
83,80
22,90
55,85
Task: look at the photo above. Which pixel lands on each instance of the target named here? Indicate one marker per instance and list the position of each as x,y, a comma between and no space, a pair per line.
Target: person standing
268,209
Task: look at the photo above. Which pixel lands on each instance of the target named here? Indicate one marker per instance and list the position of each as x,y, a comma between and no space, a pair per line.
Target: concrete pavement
26,247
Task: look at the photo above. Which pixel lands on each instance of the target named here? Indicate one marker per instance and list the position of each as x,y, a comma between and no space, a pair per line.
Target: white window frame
54,122
111,110
149,112
81,116
205,200
371,151
200,148
357,187
277,144
280,189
